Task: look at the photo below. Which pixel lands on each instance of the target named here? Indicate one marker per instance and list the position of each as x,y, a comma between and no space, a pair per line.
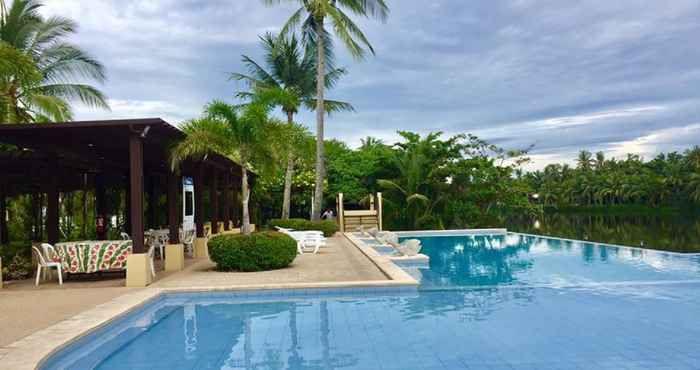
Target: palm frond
86,94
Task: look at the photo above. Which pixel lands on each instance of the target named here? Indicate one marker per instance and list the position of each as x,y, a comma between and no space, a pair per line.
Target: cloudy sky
619,76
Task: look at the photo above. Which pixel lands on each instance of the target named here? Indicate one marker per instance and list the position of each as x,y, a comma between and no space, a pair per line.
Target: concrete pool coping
32,351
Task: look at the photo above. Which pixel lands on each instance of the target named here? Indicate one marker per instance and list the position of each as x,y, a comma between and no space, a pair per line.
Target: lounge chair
311,232
306,240
408,248
43,265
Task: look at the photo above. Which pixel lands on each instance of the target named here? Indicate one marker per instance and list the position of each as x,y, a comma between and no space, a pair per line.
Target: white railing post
380,211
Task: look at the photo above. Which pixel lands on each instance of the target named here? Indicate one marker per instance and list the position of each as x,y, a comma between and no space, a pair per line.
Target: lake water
673,232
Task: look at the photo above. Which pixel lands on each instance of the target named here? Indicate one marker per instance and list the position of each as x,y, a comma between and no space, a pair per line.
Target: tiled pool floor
649,327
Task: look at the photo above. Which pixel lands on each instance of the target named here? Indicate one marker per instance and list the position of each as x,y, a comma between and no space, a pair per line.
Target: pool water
479,310
526,260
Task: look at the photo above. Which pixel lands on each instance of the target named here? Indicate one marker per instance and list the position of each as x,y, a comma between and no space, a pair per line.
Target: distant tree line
670,179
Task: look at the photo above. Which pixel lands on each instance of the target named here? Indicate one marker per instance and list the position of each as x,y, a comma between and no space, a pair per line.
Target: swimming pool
506,310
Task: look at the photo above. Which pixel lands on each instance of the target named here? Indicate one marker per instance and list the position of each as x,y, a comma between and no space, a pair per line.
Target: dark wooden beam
101,206
199,201
214,197
4,235
174,182
153,195
52,209
227,200
136,191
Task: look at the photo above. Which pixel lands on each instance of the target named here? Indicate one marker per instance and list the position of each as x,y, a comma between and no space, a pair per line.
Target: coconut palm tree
311,18
288,80
59,64
291,142
234,132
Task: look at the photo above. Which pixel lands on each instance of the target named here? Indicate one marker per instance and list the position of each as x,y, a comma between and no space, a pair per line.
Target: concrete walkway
340,261
25,309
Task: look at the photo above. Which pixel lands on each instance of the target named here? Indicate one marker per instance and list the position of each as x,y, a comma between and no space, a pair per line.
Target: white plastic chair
44,265
125,236
151,257
187,240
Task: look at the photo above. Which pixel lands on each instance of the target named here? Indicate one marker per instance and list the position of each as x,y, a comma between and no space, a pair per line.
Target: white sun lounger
306,240
408,248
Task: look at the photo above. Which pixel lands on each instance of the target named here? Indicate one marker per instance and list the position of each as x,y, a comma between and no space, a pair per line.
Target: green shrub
259,251
328,227
19,268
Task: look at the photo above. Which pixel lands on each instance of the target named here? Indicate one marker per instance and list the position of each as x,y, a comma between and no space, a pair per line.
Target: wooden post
52,209
199,201
380,211
214,198
136,192
173,211
101,206
127,204
153,195
227,200
341,213
4,235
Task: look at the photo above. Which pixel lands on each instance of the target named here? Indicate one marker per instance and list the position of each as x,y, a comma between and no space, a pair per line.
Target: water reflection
475,259
516,259
678,233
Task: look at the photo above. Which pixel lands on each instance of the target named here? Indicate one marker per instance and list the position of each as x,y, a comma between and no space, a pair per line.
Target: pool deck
35,322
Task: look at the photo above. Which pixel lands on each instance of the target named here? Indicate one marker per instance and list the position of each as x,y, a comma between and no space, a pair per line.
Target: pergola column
174,251
127,204
153,196
200,243
136,191
199,202
214,197
173,211
4,235
101,205
227,200
138,271
52,208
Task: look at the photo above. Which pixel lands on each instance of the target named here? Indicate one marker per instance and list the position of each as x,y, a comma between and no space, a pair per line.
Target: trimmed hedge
328,227
259,251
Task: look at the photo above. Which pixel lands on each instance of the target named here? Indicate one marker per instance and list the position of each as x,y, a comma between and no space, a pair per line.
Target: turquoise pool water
524,260
541,305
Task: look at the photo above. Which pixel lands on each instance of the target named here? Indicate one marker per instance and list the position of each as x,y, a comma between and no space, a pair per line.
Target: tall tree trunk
320,113
287,200
289,174
245,228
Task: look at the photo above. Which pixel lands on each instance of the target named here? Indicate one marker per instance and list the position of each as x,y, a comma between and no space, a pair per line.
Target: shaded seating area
128,157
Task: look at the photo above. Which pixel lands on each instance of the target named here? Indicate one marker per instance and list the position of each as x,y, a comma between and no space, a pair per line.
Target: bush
259,251
328,227
19,268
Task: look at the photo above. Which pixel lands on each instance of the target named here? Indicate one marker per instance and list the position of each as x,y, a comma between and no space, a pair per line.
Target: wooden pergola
134,153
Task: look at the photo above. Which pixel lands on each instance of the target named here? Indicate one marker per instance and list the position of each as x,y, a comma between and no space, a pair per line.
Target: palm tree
59,64
311,18
237,133
291,142
288,82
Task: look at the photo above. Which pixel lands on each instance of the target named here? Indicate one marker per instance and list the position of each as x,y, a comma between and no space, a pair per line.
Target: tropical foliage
39,70
238,133
310,19
288,81
668,179
428,181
